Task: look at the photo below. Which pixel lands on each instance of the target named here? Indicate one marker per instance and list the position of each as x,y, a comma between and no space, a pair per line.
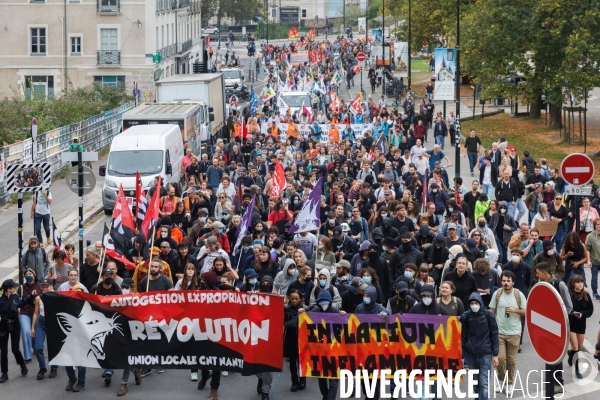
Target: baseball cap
427,289
46,282
451,225
218,225
548,244
358,284
203,211
242,170
8,284
471,245
107,271
345,227
33,239
343,264
155,250
127,282
434,185
337,232
439,241
212,239
401,286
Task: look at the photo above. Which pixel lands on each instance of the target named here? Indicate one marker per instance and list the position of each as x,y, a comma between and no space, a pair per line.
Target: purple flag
309,217
244,226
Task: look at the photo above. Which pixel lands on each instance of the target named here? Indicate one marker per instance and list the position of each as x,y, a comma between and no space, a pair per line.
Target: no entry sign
547,323
577,169
361,57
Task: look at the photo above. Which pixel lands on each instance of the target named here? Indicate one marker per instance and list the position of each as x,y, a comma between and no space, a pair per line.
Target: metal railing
168,5
195,6
168,51
185,46
184,3
108,6
94,134
109,57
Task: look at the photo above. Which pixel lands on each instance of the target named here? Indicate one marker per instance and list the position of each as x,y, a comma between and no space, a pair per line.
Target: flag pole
150,261
103,255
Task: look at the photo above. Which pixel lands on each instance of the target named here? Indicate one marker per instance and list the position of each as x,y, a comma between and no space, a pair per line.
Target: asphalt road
177,382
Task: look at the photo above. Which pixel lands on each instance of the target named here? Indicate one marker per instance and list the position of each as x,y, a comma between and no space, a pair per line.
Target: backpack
517,296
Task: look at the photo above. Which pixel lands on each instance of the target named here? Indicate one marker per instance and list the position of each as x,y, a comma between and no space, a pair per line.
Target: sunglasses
558,198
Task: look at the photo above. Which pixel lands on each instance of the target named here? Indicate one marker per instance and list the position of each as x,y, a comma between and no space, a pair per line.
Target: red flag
279,182
356,69
244,131
108,244
122,220
151,217
355,105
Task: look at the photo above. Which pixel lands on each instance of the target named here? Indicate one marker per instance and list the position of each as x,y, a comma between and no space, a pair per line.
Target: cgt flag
218,330
355,105
244,226
292,33
309,217
57,238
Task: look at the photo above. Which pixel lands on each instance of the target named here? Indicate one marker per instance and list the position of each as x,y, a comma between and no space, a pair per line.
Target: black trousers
215,380
15,337
294,369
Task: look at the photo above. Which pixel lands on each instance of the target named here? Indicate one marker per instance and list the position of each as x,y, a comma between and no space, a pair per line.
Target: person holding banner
290,342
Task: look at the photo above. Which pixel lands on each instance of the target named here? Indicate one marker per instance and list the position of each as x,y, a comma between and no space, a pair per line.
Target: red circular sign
361,57
577,169
547,323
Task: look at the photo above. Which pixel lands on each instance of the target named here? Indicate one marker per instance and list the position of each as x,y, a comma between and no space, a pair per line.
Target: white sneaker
194,376
509,390
497,388
225,373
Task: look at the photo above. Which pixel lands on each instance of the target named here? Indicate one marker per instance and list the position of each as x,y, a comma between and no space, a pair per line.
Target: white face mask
475,307
515,259
427,301
164,234
126,291
325,307
383,215
550,252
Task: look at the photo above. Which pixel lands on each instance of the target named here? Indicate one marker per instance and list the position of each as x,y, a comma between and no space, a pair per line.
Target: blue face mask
407,275
384,248
321,247
367,300
246,248
252,281
367,280
322,282
202,219
29,278
222,230
352,289
450,209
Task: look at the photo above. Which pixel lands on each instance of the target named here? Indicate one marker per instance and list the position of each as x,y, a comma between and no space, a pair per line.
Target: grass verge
529,134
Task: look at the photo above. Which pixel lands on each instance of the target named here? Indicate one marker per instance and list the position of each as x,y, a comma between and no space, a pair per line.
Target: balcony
184,3
184,47
108,7
168,51
169,5
195,7
109,58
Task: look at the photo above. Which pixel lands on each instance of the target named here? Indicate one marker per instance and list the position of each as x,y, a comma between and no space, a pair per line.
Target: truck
151,150
208,88
295,100
191,117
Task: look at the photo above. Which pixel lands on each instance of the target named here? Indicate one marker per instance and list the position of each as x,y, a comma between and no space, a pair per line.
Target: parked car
211,30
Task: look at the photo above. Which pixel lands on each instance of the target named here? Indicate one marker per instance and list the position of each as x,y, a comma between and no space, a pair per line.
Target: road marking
574,170
545,323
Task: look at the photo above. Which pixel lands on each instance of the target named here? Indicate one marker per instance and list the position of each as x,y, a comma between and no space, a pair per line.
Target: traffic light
156,58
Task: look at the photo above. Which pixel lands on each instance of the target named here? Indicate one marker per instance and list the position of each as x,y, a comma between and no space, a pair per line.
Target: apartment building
47,44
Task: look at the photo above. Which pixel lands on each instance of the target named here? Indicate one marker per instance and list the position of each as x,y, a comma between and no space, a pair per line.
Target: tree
551,45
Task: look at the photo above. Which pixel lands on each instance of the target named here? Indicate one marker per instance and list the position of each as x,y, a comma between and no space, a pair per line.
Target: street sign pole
20,226
34,132
80,184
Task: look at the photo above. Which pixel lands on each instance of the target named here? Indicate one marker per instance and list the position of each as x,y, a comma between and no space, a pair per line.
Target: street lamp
457,125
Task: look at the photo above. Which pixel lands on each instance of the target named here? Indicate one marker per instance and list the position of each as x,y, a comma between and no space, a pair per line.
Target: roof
146,130
189,78
161,109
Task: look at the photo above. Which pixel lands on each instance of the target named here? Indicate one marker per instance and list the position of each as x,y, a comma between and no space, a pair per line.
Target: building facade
100,41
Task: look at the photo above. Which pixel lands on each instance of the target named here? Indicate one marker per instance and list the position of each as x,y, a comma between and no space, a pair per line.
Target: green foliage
53,112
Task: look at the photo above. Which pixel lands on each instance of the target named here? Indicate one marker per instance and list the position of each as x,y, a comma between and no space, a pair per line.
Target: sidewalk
64,210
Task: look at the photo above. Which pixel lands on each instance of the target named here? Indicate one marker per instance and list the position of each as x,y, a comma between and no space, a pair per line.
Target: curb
13,260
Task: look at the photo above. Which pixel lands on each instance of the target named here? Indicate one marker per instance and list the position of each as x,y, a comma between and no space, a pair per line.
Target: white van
150,150
295,100
233,76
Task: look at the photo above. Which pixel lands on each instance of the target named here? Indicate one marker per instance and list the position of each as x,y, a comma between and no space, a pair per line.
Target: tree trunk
535,111
555,116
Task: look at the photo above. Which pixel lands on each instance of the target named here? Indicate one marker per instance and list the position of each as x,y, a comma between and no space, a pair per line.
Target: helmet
76,139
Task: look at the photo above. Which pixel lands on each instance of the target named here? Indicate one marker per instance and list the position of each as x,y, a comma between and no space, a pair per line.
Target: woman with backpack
452,304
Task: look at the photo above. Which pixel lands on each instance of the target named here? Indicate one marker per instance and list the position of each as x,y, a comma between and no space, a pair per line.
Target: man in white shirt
209,252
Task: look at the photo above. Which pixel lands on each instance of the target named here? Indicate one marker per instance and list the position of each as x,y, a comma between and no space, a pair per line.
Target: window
108,40
109,80
75,45
108,6
288,15
40,86
303,13
38,41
